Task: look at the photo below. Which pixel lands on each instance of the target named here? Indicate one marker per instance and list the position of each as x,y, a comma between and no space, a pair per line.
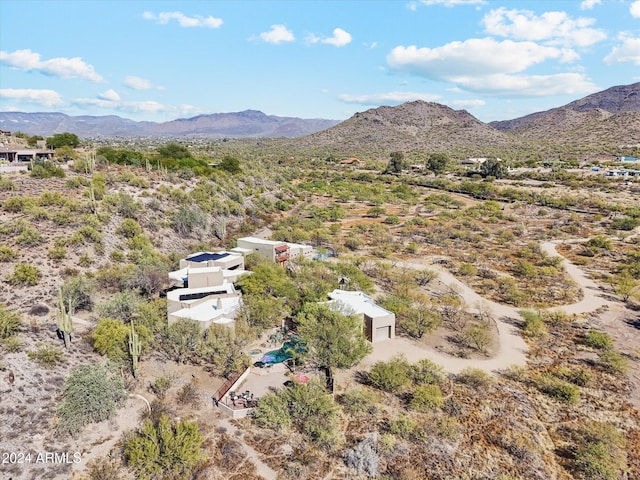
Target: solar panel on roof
205,257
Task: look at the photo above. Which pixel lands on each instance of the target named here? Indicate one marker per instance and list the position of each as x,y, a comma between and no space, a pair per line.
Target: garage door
382,333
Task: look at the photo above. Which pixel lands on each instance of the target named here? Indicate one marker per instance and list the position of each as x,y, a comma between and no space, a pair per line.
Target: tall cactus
135,348
65,325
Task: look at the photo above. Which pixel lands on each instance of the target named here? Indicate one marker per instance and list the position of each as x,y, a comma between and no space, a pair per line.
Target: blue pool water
283,353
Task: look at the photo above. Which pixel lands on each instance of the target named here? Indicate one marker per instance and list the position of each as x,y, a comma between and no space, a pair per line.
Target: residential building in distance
203,289
276,251
379,324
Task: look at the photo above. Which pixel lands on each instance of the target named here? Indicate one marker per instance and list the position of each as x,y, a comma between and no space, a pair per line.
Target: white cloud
528,85
628,51
589,4
137,83
111,100
476,56
28,61
277,34
46,98
389,98
634,9
340,38
163,18
554,28
110,95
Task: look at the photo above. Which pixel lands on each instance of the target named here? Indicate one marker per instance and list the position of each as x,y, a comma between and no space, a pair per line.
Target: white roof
358,303
174,295
262,241
209,311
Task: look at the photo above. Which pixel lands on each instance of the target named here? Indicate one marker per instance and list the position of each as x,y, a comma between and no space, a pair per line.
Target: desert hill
411,126
609,117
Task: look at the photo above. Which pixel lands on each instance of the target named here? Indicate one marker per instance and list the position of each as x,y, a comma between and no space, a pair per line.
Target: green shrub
164,450
161,385
12,344
613,362
7,254
25,275
391,376
359,402
598,340
426,372
46,355
427,398
475,377
558,389
129,228
92,393
57,252
534,326
598,452
6,185
9,322
29,237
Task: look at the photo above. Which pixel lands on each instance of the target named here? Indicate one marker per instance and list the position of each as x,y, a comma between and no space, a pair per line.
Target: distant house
13,154
627,159
276,251
379,323
203,289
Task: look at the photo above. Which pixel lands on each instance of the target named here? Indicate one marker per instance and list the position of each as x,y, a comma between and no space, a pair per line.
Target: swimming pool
284,352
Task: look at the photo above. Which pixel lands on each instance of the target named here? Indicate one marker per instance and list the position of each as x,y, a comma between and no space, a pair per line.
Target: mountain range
607,119
248,123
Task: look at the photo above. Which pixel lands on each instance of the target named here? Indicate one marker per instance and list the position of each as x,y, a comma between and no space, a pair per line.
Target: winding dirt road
512,347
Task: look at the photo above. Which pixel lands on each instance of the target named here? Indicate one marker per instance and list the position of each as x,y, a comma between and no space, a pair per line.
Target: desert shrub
57,252
129,228
534,326
598,452
403,426
92,393
164,450
598,340
364,457
46,355
391,376
10,322
161,385
121,305
478,337
577,376
189,395
29,237
104,469
7,254
25,275
12,344
77,292
516,373
467,269
111,338
558,389
46,169
359,402
6,185
426,372
613,362
475,377
86,234
186,220
308,408
426,398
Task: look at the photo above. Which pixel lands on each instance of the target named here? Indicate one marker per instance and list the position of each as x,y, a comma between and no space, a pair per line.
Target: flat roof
225,288
219,310
359,302
206,256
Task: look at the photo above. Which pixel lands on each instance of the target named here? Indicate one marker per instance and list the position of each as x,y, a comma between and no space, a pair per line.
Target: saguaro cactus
135,348
65,325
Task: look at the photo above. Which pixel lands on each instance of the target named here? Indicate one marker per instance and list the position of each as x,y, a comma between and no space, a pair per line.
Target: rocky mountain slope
611,117
413,126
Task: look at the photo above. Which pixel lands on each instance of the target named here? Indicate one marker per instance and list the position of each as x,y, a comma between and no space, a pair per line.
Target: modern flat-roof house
203,290
13,154
379,323
276,251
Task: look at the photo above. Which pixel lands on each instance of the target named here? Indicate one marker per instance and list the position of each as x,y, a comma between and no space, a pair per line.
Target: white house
276,251
379,323
204,291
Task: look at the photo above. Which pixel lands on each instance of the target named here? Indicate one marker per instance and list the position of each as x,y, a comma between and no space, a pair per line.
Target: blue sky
161,60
